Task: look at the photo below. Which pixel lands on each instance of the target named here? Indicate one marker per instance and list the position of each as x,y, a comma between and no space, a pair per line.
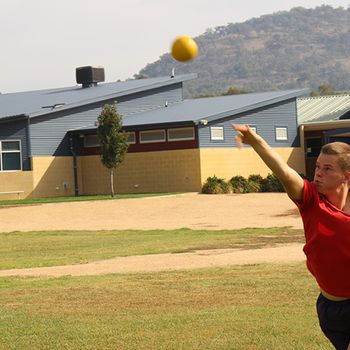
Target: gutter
29,143
75,164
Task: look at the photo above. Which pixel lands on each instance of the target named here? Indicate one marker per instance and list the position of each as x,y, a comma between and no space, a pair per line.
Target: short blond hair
340,149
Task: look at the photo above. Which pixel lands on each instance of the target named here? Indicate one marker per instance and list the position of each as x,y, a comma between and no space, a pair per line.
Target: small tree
324,90
112,139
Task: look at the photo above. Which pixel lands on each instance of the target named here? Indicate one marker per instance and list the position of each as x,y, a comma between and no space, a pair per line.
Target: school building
49,146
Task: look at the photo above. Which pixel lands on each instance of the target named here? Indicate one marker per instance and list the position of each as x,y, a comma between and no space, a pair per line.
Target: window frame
217,139
16,151
150,131
131,133
281,127
253,127
182,138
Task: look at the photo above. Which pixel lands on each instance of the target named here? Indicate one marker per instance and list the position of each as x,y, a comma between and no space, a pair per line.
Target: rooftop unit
89,76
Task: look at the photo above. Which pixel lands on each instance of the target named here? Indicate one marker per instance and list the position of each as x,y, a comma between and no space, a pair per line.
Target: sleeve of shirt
309,196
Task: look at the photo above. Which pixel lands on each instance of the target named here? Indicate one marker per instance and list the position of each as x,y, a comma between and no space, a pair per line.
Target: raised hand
244,134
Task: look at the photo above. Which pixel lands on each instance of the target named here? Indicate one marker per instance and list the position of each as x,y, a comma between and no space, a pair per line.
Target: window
281,133
217,133
91,141
152,136
10,155
253,127
180,134
131,138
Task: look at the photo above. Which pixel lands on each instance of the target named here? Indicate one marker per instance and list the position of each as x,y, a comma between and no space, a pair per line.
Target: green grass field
252,307
50,248
12,202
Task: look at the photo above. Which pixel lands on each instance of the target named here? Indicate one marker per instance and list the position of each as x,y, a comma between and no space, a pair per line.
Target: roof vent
89,76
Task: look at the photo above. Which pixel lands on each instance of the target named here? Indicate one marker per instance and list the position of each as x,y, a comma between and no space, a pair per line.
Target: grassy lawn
12,202
35,249
256,307
265,306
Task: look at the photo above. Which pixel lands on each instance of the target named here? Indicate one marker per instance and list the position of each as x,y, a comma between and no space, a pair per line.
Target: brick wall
228,162
162,171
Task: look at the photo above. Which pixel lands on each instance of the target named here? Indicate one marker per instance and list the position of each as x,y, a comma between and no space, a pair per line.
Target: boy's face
329,177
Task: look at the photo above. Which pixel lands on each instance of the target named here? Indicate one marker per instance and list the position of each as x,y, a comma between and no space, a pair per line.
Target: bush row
239,184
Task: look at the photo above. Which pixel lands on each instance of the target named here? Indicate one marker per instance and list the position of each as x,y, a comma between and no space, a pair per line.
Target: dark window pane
181,134
10,145
11,161
152,136
131,137
313,147
91,141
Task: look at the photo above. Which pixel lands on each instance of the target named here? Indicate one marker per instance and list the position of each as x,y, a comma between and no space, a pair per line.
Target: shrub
271,184
239,184
225,186
254,182
215,185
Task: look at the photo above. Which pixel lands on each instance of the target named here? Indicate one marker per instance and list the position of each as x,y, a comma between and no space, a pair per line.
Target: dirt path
161,262
190,210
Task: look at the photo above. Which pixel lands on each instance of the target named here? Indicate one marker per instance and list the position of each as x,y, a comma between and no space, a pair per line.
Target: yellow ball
184,49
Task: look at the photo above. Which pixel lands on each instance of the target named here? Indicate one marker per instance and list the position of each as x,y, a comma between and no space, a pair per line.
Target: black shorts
334,317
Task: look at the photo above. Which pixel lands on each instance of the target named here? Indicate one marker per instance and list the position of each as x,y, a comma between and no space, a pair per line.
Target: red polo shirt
327,235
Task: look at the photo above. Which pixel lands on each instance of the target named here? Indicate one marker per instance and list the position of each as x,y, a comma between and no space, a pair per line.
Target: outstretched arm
290,179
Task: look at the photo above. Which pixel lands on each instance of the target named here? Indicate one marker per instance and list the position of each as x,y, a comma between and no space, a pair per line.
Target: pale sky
43,41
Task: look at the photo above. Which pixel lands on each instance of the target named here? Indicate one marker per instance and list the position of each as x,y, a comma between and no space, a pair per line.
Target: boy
324,206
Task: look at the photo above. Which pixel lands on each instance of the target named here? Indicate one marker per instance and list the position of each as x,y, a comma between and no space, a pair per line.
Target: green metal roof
322,108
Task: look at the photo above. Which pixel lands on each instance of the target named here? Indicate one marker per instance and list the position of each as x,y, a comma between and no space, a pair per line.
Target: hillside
298,48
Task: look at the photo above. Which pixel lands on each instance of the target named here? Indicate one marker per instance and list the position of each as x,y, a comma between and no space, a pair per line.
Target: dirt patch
195,211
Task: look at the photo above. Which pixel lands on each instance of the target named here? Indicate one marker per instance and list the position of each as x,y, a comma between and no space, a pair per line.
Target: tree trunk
112,183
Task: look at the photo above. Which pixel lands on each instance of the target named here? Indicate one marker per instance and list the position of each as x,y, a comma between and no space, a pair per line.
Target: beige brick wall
52,176
228,162
164,171
16,181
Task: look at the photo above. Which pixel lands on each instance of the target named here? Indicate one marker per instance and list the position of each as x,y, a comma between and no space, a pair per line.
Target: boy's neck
341,199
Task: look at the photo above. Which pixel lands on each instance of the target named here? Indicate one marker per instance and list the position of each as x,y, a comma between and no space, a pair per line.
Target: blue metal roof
39,102
211,108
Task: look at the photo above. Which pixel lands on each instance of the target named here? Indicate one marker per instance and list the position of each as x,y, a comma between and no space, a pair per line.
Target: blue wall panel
265,120
49,133
16,130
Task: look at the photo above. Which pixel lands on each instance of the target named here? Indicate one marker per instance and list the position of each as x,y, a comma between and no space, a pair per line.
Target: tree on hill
112,139
232,90
325,90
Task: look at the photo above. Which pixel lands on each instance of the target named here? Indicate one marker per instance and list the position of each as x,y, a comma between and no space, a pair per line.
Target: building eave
13,118
326,124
